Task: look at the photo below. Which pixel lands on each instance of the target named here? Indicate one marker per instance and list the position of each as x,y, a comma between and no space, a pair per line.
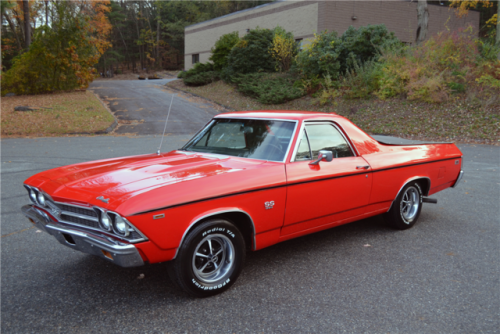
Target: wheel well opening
241,221
425,184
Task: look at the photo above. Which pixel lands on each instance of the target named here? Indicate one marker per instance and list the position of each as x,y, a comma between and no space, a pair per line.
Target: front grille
81,211
81,221
87,218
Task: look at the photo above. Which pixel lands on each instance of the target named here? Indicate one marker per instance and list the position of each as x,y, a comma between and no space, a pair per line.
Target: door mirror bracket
324,155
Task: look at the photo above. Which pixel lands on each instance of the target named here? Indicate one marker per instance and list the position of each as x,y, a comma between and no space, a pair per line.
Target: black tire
221,253
406,207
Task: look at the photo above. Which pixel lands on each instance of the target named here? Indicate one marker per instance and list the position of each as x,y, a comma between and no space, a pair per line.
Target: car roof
279,114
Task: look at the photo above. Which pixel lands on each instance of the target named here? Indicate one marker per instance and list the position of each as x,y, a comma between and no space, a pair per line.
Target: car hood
141,182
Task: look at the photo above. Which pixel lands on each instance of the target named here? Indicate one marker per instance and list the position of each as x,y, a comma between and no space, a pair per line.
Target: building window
195,58
299,43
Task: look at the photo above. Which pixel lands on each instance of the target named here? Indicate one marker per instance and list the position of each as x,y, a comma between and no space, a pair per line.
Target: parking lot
442,276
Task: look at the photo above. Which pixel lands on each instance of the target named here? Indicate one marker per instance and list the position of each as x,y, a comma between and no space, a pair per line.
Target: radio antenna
166,121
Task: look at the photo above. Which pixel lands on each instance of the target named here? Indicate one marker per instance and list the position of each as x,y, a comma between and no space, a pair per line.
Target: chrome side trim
408,181
214,214
460,175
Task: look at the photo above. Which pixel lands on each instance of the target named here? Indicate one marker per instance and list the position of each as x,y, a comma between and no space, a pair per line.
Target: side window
327,137
303,152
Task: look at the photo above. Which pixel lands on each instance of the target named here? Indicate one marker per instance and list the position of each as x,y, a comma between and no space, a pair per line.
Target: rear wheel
406,207
210,259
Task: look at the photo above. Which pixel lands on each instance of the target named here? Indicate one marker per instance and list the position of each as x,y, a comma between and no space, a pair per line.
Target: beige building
304,18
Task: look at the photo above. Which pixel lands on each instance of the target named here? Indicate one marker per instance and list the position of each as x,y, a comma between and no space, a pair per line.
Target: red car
246,181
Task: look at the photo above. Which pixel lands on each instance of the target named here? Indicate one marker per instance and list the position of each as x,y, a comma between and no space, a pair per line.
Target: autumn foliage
283,49
62,56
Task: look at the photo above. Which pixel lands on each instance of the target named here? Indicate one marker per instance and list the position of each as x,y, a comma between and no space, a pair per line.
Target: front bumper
122,254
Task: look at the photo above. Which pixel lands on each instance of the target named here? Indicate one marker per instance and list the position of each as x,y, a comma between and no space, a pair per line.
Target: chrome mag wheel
410,203
213,258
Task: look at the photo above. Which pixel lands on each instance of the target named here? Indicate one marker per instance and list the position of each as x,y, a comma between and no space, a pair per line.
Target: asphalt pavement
141,107
441,276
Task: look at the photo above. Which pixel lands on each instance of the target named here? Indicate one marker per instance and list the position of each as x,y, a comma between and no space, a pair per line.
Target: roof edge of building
234,13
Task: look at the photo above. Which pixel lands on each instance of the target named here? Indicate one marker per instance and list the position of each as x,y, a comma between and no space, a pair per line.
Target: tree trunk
423,21
498,27
158,59
27,30
13,30
47,13
141,58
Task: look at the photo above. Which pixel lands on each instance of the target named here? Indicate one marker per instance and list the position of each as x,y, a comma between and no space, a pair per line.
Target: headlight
33,196
120,226
41,199
105,221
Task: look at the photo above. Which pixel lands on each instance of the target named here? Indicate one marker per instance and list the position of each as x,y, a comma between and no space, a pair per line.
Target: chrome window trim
315,122
214,214
297,142
251,118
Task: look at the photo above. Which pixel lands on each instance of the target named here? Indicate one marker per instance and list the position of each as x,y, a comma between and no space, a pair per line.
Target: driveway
441,276
141,107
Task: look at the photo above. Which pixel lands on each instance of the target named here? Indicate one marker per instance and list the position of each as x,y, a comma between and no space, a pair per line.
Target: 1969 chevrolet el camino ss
247,180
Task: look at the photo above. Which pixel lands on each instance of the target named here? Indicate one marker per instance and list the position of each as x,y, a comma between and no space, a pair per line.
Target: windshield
250,138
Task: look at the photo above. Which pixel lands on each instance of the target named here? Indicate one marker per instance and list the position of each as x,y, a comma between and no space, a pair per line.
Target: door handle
362,167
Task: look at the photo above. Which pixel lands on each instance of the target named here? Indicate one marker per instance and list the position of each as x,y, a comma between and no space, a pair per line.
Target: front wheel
406,207
210,259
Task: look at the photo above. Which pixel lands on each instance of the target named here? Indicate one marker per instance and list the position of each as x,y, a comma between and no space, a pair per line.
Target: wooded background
146,34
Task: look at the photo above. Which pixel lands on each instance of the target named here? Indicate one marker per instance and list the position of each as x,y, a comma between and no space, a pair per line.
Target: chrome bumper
124,255
460,175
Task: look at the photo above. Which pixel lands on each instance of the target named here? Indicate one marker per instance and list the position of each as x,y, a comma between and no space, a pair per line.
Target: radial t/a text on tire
406,208
210,259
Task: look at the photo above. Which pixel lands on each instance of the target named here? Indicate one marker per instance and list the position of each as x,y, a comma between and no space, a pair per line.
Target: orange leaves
463,6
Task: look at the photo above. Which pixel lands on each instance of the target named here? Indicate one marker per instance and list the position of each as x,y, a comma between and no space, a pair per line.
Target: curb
112,126
201,97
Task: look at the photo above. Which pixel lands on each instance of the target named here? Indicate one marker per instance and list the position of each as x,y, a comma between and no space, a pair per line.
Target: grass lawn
57,114
458,121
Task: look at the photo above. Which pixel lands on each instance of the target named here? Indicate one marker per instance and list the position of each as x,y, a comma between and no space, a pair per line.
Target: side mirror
323,156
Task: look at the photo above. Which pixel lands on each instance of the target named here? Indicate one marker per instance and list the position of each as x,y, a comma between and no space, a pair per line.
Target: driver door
329,192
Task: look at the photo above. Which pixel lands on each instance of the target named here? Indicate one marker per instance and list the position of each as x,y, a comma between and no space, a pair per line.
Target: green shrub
222,48
203,78
362,80
251,54
360,45
268,88
488,51
201,74
320,57
329,54
181,74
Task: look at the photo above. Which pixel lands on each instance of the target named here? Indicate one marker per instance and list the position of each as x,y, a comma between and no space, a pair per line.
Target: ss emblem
269,205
